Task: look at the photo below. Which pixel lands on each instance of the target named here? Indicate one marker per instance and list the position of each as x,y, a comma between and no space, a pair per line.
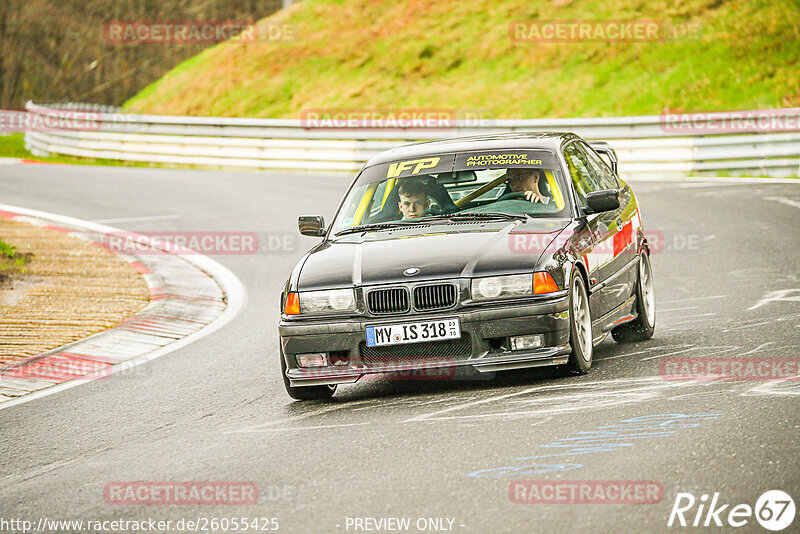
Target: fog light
313,359
527,342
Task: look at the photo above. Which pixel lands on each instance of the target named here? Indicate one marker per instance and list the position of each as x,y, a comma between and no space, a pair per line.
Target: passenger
526,181
414,201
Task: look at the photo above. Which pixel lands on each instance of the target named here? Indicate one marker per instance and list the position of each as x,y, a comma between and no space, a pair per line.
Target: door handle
619,222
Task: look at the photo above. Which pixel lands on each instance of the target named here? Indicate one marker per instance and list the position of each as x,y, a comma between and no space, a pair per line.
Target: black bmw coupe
495,252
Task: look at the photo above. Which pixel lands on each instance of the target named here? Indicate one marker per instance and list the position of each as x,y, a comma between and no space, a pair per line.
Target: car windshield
463,186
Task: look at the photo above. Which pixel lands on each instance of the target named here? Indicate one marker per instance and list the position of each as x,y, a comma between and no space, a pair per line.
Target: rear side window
606,177
584,176
587,170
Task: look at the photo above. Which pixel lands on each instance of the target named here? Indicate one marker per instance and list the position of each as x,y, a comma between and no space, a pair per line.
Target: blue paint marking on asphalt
602,439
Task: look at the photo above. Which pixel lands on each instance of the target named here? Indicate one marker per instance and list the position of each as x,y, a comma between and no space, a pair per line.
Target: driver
414,201
526,181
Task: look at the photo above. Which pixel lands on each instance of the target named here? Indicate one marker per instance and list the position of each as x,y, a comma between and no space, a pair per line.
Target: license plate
418,332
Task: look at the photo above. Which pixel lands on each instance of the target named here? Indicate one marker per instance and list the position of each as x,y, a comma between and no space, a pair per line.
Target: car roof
500,141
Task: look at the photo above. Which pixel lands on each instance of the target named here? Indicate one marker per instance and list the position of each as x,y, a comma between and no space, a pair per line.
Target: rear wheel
641,328
305,392
580,326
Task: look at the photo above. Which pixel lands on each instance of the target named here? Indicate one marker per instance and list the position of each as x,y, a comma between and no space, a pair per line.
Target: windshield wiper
494,215
499,215
374,226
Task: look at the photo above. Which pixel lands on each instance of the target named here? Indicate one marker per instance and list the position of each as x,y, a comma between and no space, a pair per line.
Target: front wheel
580,326
305,392
641,328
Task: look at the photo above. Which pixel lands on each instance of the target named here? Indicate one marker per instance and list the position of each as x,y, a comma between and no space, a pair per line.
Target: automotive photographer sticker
504,159
774,510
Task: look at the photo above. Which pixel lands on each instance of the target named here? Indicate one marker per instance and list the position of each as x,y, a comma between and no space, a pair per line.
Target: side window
607,180
583,174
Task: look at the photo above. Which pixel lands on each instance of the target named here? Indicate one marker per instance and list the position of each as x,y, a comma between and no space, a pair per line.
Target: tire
580,326
641,328
305,392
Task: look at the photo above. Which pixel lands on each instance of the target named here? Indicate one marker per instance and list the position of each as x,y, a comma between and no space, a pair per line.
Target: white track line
784,200
235,295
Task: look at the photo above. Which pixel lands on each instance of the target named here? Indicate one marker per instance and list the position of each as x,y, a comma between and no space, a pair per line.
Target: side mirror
311,225
600,201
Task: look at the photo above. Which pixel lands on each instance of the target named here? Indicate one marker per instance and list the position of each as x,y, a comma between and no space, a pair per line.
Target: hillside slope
460,54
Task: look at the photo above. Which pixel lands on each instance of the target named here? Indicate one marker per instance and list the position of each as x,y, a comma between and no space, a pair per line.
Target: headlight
336,300
493,287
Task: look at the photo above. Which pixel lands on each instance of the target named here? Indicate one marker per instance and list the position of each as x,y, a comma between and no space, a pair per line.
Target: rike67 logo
774,510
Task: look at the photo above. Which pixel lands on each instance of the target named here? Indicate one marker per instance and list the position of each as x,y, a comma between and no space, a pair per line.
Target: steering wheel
511,196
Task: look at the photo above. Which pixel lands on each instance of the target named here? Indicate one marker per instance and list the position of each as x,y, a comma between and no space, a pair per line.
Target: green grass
13,146
458,54
11,262
6,250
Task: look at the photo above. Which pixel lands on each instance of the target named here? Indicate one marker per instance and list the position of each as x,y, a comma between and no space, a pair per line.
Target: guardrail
644,145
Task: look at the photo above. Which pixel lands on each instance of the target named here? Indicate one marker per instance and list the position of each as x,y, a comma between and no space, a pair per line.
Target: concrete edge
234,293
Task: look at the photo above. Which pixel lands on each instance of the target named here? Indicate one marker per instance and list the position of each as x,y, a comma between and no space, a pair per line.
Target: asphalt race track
726,283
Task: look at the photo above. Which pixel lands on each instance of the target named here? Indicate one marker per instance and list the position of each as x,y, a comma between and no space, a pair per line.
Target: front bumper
488,329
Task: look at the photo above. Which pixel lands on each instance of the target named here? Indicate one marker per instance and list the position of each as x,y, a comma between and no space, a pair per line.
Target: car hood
441,251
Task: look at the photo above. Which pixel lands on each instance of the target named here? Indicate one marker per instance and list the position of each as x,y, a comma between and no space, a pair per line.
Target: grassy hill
460,54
